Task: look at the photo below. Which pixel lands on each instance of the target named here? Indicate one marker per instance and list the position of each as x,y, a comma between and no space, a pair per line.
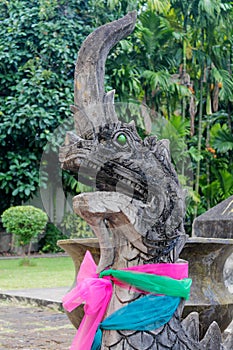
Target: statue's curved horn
90,69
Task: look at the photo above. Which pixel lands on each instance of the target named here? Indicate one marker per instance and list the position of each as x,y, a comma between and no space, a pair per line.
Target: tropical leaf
226,181
182,90
160,6
210,7
219,189
226,7
154,31
221,138
195,154
226,92
212,192
160,79
180,125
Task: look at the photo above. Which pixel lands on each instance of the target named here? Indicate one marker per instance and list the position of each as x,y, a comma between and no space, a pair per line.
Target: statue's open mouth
95,169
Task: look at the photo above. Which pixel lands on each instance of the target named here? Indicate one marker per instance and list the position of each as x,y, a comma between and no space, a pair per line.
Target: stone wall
5,245
5,241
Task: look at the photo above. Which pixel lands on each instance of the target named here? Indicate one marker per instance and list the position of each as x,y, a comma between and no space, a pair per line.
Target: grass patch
45,273
27,262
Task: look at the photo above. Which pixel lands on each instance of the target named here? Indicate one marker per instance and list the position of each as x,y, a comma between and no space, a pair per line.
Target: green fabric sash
152,283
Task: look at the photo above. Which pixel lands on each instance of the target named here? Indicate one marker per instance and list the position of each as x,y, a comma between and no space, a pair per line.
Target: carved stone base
209,295
76,248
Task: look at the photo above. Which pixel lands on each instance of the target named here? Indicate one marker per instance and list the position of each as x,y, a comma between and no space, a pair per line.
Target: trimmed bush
26,222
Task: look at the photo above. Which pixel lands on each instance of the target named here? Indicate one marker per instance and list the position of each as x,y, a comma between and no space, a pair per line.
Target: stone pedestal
216,222
210,296
77,248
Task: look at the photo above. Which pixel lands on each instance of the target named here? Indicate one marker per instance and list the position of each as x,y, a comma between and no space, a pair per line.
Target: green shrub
26,222
48,243
75,226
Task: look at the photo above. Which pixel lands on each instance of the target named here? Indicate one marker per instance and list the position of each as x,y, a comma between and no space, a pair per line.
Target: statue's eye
121,139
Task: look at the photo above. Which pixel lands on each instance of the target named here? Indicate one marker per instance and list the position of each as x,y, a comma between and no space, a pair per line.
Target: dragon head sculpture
138,204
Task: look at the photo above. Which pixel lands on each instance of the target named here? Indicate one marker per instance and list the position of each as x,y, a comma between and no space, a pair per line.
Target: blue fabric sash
147,313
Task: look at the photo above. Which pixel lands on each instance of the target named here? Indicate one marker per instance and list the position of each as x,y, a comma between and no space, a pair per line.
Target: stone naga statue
137,208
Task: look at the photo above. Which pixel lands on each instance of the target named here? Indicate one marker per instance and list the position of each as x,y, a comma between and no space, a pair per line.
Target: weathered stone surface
209,295
228,337
228,273
216,222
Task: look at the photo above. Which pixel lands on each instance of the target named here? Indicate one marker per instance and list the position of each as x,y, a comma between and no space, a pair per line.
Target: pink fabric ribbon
96,293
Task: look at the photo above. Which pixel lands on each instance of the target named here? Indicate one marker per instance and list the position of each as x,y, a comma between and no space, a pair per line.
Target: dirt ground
24,326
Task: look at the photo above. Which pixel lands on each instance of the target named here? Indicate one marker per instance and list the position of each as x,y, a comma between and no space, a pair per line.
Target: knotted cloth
149,311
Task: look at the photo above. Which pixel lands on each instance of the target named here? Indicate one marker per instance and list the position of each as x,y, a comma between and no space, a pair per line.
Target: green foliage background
178,61
39,41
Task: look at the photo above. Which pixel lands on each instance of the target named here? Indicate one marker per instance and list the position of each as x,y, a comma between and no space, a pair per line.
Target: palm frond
226,181
216,74
181,125
210,7
227,85
154,31
219,189
221,138
160,6
160,79
212,192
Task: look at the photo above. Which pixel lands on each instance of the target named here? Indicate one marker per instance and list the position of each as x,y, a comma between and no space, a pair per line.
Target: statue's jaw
112,217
